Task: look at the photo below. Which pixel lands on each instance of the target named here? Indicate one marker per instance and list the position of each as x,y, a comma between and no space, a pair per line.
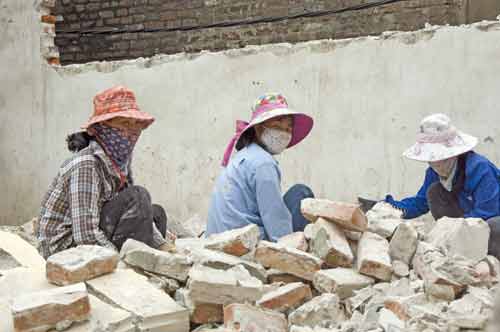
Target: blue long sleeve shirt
480,197
248,191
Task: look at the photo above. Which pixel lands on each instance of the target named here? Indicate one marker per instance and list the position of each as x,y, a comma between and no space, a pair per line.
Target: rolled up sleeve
275,216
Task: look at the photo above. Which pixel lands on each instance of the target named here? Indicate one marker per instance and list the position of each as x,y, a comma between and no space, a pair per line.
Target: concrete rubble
331,277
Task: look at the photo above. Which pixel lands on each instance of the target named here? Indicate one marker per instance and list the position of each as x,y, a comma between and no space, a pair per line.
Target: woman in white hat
248,190
459,182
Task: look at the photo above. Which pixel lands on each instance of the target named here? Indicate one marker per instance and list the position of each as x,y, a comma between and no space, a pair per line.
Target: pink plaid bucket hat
439,140
268,106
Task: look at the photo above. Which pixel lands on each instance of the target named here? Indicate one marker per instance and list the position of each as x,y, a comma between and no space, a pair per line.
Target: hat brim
430,152
138,115
302,123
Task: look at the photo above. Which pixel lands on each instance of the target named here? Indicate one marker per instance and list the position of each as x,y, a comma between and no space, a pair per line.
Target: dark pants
443,203
292,200
130,215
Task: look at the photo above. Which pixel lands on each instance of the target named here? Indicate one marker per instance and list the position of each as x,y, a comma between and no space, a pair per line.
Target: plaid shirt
71,208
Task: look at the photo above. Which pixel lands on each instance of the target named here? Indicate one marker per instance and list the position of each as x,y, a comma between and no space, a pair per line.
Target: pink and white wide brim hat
439,140
266,107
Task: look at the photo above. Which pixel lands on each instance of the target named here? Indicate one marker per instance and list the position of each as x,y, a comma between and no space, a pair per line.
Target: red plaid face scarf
117,143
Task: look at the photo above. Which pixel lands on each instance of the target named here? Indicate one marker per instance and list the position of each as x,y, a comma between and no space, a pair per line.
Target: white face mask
275,140
443,168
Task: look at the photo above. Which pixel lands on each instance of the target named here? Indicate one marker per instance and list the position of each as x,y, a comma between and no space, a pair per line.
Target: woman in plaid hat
248,190
93,199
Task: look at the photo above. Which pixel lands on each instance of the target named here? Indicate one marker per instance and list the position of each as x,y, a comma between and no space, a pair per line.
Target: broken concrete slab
467,313
383,219
295,240
341,281
105,318
390,322
223,261
140,255
55,308
236,242
331,245
465,237
346,215
360,298
373,257
244,317
191,228
80,264
289,260
404,243
168,285
322,311
21,251
286,297
200,313
400,305
153,309
235,285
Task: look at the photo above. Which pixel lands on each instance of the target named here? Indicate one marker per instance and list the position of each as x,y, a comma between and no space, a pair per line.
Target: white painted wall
367,96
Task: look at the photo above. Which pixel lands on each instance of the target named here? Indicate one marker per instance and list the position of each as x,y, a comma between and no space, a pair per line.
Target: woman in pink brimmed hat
459,182
93,199
248,191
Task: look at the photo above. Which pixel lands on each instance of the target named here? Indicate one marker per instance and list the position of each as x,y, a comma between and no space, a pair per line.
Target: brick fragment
244,317
200,313
341,281
404,243
322,311
346,215
80,264
331,245
288,260
373,257
295,240
237,242
287,297
139,255
55,308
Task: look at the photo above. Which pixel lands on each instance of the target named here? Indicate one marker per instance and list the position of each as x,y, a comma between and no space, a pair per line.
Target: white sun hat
439,140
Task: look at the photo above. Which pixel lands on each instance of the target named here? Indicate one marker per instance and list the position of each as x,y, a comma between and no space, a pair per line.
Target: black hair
248,137
78,141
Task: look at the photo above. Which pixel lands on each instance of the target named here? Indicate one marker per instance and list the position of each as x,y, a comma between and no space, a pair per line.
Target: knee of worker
141,195
494,243
434,192
160,218
300,190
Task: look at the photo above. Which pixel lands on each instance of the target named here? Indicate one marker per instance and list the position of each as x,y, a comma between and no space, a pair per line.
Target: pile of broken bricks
346,272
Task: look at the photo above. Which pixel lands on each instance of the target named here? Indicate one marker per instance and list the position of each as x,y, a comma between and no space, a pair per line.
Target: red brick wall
139,15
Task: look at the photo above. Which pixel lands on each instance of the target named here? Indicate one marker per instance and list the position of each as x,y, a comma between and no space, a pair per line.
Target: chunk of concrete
322,311
400,305
191,228
360,298
373,257
139,255
465,237
401,269
341,281
390,322
287,297
236,242
153,309
200,313
289,260
295,240
80,264
310,231
346,215
55,308
20,251
383,219
235,285
331,245
404,243
221,261
169,286
244,317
